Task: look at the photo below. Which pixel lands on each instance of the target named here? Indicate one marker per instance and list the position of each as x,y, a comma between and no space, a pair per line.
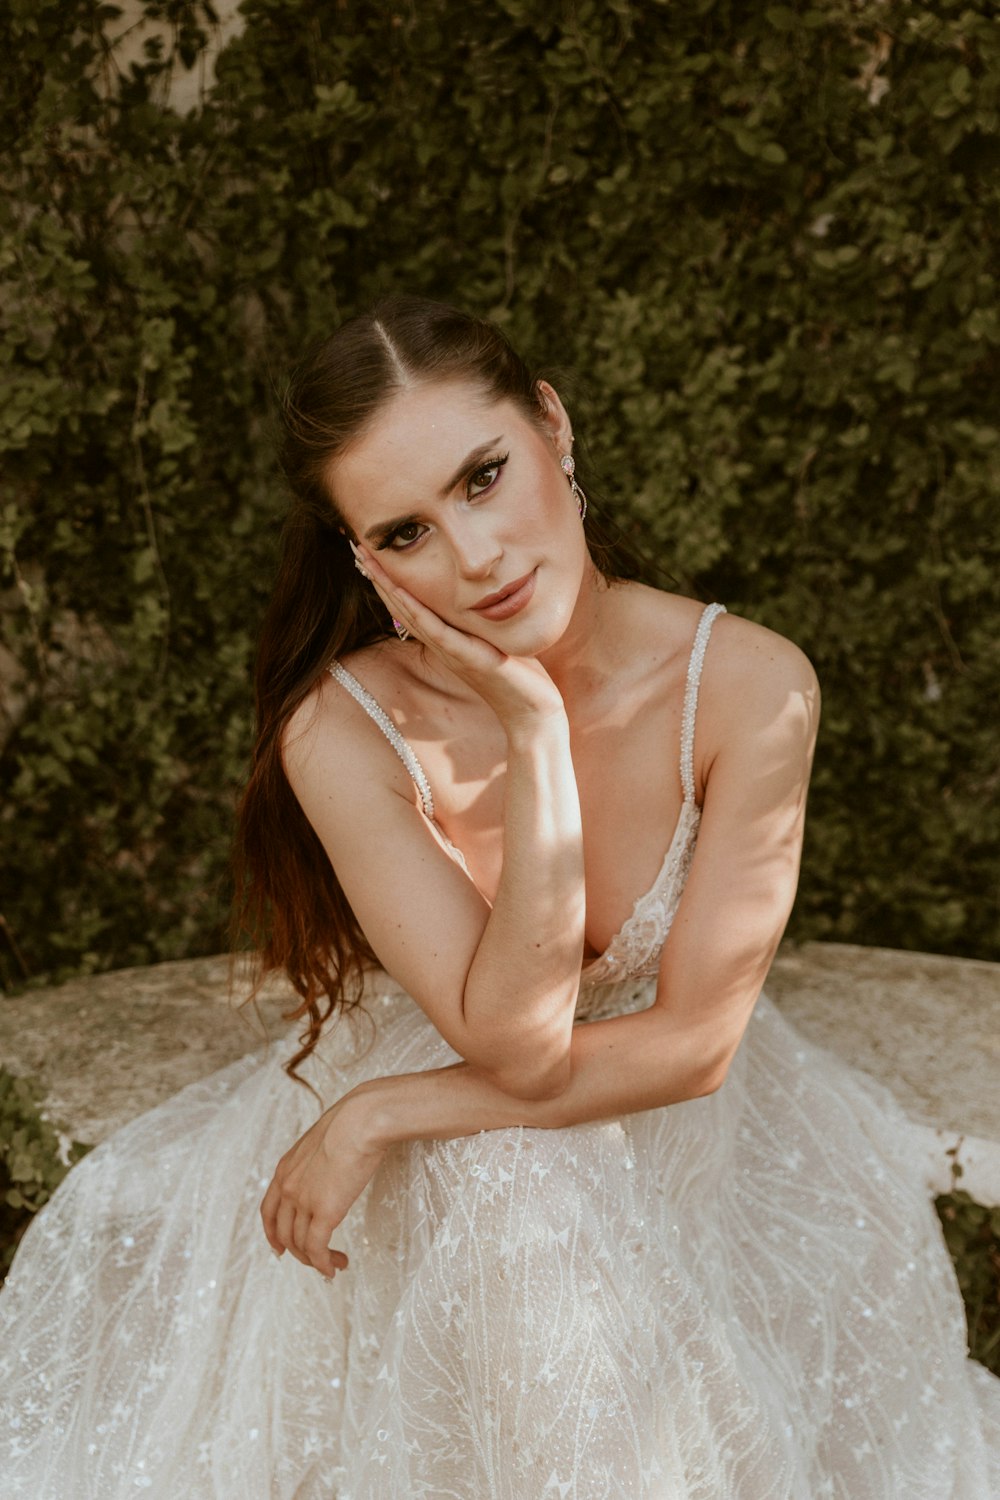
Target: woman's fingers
397,601
300,1234
460,648
314,1186
286,1227
269,1216
512,687
307,1236
316,1247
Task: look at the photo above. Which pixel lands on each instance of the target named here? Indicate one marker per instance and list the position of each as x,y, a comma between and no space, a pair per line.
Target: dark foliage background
762,240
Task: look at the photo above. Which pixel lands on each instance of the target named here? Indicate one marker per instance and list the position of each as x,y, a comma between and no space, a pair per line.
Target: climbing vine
755,245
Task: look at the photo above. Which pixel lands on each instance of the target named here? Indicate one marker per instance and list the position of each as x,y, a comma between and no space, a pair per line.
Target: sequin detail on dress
375,711
695,668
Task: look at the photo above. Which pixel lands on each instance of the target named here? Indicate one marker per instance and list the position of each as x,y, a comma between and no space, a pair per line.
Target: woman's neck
596,647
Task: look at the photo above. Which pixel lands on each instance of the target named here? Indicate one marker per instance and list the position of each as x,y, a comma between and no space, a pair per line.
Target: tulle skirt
743,1297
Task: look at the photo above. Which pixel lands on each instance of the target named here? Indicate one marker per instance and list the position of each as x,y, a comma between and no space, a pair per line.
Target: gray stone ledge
108,1047
925,1025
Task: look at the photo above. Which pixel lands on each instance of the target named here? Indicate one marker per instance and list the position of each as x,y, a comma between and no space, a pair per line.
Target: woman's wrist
533,729
369,1108
440,1104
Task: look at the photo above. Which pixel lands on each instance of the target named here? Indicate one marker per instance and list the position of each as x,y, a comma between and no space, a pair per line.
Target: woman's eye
404,536
478,482
485,476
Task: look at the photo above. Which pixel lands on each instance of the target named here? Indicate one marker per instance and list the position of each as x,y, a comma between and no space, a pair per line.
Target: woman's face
462,498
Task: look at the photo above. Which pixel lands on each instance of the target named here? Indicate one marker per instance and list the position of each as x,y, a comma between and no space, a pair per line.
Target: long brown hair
289,901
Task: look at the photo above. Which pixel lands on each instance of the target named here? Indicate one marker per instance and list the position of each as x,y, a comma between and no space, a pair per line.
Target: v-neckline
680,827
594,963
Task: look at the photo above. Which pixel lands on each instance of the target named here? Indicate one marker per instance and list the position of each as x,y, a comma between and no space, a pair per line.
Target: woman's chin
527,636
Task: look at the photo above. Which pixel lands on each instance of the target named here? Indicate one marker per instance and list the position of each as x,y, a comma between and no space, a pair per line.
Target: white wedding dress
742,1297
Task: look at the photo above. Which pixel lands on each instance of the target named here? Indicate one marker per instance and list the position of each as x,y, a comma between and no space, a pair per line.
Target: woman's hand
518,689
317,1182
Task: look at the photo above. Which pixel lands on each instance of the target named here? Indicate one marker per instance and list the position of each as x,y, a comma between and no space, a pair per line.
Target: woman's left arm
757,729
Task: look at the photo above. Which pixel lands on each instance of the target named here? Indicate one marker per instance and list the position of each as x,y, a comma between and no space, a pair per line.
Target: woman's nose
477,549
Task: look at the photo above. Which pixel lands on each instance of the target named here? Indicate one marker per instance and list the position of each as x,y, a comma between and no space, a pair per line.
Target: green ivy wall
756,243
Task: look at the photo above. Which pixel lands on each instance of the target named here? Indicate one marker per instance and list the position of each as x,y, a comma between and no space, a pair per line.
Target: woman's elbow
710,1077
536,1080
709,1082
534,1066
537,1086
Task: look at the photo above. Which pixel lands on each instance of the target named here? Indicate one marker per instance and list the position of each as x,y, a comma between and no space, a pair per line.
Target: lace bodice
634,951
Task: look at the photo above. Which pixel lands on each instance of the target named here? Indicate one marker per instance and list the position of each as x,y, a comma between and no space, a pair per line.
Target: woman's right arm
499,984
521,988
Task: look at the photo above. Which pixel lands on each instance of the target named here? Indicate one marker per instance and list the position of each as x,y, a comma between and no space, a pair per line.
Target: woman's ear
556,418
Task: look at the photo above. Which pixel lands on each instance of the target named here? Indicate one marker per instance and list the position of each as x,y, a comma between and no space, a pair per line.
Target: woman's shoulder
747,648
740,650
759,695
343,751
756,687
347,712
755,659
329,720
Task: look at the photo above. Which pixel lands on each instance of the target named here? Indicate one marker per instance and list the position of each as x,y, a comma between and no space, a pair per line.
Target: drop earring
568,465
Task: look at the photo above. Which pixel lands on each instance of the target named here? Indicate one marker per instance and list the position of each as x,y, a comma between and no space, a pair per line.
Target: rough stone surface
108,1047
926,1025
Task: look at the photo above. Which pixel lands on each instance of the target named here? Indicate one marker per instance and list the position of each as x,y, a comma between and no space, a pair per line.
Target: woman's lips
508,601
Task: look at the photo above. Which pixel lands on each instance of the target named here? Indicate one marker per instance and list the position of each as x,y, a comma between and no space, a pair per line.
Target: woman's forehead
429,429
429,406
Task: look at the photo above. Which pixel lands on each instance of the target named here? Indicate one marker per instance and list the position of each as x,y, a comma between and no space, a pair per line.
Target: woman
613,1228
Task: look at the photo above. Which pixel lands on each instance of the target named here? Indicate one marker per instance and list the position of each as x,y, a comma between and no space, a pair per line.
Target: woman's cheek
429,589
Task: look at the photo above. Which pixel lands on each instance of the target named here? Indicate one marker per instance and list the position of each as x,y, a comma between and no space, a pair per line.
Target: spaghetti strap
695,664
377,713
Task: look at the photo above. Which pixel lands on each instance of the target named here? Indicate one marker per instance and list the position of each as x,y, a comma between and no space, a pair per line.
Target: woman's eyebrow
378,533
469,462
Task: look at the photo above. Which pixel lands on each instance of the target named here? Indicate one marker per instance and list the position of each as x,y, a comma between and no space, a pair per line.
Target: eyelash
497,462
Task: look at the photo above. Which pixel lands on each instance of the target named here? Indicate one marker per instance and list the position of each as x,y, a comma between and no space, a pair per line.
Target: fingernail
275,1253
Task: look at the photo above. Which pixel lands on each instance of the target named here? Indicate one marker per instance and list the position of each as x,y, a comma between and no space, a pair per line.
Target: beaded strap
691,695
375,711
